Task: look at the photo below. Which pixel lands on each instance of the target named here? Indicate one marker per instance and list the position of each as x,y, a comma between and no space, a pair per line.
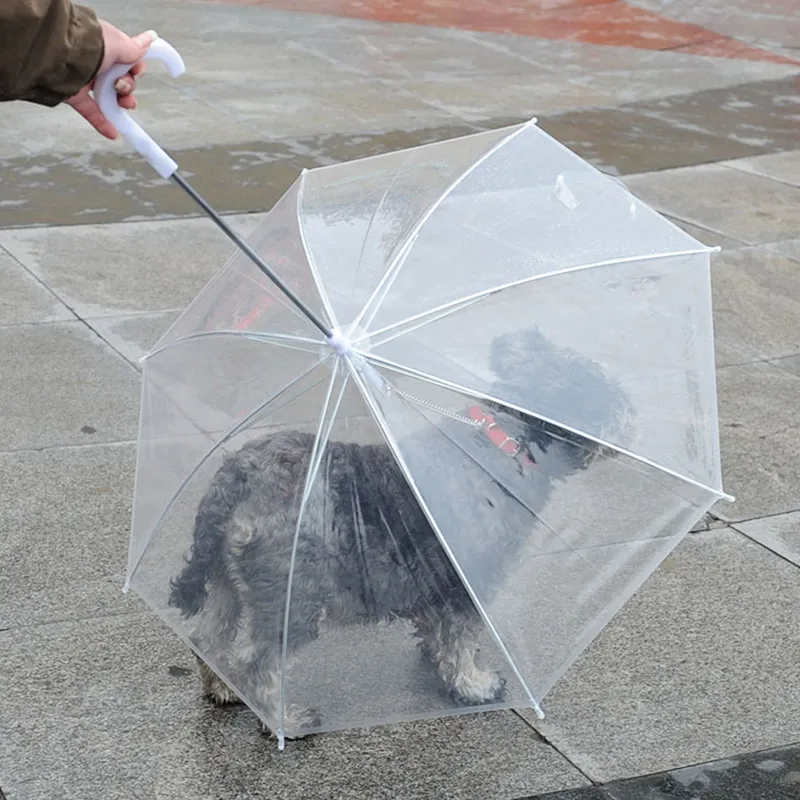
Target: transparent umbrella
476,413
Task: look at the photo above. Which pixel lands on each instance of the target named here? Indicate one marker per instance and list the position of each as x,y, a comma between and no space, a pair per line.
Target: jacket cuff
84,54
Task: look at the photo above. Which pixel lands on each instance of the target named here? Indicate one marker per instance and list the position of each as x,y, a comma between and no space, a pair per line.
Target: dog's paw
214,688
298,722
479,688
222,695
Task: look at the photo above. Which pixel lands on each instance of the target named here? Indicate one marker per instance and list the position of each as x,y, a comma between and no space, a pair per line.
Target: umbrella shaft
252,255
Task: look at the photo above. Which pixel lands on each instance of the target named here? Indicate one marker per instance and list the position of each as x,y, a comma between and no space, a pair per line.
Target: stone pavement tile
133,337
112,710
64,526
762,114
62,385
23,298
523,96
768,28
766,775
760,458
711,238
583,793
637,74
780,533
359,105
735,49
789,248
94,704
701,664
790,364
121,269
756,305
736,204
250,176
704,126
626,140
707,523
172,116
778,166
445,56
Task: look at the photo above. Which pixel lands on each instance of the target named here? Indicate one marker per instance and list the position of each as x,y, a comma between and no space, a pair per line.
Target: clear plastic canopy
525,421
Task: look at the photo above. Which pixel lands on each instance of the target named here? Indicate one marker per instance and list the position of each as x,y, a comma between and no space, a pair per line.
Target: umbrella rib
398,260
455,305
464,390
317,450
240,426
504,486
280,339
312,264
372,219
392,444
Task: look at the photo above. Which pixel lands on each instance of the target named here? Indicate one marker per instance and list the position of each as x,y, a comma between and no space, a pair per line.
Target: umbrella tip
339,342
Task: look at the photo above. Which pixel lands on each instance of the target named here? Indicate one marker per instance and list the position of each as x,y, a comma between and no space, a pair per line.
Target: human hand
119,48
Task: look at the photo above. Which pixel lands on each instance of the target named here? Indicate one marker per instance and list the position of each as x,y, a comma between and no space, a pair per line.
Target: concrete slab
24,299
690,669
62,385
134,336
778,166
529,93
630,139
65,522
113,711
756,305
791,364
122,269
583,793
758,406
789,248
711,238
766,775
780,533
710,195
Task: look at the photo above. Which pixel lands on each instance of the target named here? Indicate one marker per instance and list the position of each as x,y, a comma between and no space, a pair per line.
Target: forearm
49,49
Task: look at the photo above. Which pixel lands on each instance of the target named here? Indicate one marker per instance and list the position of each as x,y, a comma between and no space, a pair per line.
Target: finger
125,85
138,68
129,51
127,101
90,111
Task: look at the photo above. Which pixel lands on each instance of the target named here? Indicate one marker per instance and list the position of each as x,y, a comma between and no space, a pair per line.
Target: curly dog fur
365,551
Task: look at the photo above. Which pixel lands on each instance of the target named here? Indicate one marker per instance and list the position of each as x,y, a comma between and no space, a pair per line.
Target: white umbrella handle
106,96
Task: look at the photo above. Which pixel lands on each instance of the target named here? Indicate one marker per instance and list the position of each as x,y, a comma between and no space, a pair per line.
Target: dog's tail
228,488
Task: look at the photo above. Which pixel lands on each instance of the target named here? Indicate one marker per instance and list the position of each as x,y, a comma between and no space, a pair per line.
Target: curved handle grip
106,97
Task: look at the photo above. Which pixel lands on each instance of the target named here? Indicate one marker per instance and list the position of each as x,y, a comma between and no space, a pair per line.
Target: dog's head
571,389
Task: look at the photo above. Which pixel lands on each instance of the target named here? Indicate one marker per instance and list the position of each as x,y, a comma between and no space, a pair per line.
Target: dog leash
478,419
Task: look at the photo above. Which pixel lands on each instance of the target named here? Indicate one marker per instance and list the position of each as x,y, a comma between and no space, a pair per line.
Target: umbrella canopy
514,421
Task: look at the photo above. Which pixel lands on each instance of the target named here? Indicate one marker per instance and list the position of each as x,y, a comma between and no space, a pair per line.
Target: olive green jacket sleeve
49,49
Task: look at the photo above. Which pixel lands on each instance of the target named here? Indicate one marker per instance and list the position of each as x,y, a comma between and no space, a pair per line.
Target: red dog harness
510,446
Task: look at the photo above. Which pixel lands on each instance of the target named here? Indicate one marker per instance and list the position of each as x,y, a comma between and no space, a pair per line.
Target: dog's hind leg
264,678
214,687
449,640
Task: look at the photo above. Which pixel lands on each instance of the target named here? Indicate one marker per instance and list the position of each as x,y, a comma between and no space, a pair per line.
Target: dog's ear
513,352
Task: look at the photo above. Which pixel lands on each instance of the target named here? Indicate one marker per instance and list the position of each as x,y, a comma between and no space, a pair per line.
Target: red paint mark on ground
603,22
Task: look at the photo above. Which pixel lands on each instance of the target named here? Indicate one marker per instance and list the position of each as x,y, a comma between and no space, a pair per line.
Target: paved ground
694,103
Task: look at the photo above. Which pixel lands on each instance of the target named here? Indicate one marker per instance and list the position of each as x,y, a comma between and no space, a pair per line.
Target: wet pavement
696,105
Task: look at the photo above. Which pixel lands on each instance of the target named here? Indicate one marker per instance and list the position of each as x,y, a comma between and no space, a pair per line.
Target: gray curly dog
366,551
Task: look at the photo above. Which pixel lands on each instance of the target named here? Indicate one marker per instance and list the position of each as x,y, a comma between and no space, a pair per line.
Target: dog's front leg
214,687
449,640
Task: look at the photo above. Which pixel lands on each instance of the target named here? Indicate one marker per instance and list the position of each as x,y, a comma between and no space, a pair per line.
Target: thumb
131,49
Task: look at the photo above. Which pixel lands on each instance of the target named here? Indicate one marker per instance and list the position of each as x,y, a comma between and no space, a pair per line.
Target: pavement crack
542,738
